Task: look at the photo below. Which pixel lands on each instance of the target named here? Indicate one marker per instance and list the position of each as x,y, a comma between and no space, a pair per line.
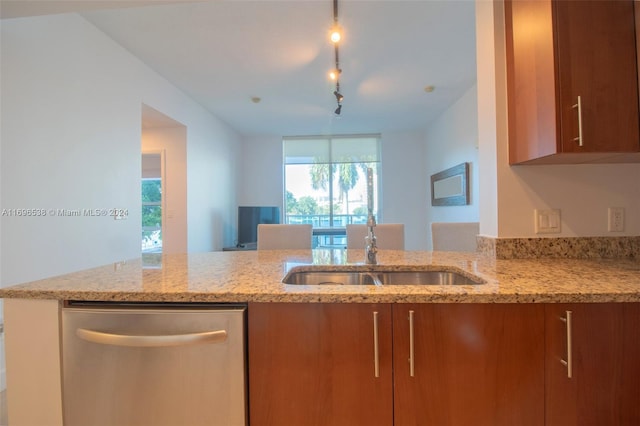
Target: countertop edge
321,298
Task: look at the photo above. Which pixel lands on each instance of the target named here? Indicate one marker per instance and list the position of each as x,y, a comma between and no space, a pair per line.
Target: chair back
389,236
284,236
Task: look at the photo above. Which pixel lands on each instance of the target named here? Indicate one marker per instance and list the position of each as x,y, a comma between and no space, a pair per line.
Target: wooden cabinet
604,350
314,364
473,364
572,81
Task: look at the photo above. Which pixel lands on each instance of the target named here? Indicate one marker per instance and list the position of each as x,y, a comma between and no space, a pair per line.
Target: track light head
336,34
338,96
338,110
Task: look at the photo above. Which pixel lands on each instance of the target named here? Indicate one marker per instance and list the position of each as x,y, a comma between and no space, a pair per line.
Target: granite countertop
256,276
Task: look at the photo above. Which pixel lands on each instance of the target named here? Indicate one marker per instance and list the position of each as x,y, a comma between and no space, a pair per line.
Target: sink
330,278
311,275
427,278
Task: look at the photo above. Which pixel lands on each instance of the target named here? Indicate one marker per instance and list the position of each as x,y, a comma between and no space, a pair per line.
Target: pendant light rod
338,71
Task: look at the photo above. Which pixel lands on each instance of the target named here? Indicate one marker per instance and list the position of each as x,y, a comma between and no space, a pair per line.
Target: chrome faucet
372,248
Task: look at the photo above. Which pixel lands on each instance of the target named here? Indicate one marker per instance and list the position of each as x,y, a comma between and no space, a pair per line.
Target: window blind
335,149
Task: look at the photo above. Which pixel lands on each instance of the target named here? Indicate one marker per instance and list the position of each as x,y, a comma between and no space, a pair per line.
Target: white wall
260,175
581,192
212,158
452,139
71,131
404,186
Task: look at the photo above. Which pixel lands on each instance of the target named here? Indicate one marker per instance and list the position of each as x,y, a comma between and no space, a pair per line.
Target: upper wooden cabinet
572,81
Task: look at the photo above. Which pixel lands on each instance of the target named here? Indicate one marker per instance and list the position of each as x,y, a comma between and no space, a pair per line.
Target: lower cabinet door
593,364
468,364
320,364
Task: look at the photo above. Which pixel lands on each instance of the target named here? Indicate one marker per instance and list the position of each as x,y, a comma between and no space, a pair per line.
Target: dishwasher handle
217,336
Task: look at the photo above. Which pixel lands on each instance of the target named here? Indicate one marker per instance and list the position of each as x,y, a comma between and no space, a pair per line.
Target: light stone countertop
256,276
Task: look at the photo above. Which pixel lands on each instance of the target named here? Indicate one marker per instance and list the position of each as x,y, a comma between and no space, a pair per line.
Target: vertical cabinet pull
568,362
411,346
376,352
578,105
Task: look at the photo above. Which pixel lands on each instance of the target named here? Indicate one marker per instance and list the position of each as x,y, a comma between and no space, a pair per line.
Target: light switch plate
547,221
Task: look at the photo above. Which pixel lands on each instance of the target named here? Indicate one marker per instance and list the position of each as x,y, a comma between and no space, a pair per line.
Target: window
326,179
151,215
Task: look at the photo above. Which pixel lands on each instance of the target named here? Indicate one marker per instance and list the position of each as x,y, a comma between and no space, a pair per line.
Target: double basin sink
378,275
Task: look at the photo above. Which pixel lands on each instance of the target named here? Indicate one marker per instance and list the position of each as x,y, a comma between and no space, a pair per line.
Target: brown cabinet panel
596,60
313,364
531,83
481,364
475,364
636,7
558,51
605,350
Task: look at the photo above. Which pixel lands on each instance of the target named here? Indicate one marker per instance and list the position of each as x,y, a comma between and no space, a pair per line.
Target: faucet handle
371,249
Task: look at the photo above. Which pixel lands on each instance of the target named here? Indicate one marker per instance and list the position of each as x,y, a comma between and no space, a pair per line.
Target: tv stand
241,247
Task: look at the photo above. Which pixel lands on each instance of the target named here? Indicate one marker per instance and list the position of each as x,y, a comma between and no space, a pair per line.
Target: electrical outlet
547,221
616,219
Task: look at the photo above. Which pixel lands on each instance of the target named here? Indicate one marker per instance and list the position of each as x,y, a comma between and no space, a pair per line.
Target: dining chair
389,236
284,236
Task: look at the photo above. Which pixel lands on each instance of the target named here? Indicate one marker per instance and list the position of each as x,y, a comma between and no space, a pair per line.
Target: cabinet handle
569,361
151,341
376,354
579,106
411,346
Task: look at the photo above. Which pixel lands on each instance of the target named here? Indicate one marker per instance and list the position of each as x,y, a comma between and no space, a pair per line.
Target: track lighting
336,34
334,74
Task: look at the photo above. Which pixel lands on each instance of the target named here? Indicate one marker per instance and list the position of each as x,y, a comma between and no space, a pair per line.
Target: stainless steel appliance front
140,364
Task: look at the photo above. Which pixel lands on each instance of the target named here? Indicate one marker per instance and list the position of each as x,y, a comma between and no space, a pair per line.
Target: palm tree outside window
326,185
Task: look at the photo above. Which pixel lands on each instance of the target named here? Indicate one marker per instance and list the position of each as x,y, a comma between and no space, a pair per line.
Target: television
249,218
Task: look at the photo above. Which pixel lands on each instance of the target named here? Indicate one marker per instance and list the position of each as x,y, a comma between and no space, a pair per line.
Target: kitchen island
518,315
256,276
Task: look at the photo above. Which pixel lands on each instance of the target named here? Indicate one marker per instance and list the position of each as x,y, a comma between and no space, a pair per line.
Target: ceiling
224,53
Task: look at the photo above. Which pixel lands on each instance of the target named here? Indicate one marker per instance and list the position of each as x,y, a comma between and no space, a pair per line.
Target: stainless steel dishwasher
153,364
